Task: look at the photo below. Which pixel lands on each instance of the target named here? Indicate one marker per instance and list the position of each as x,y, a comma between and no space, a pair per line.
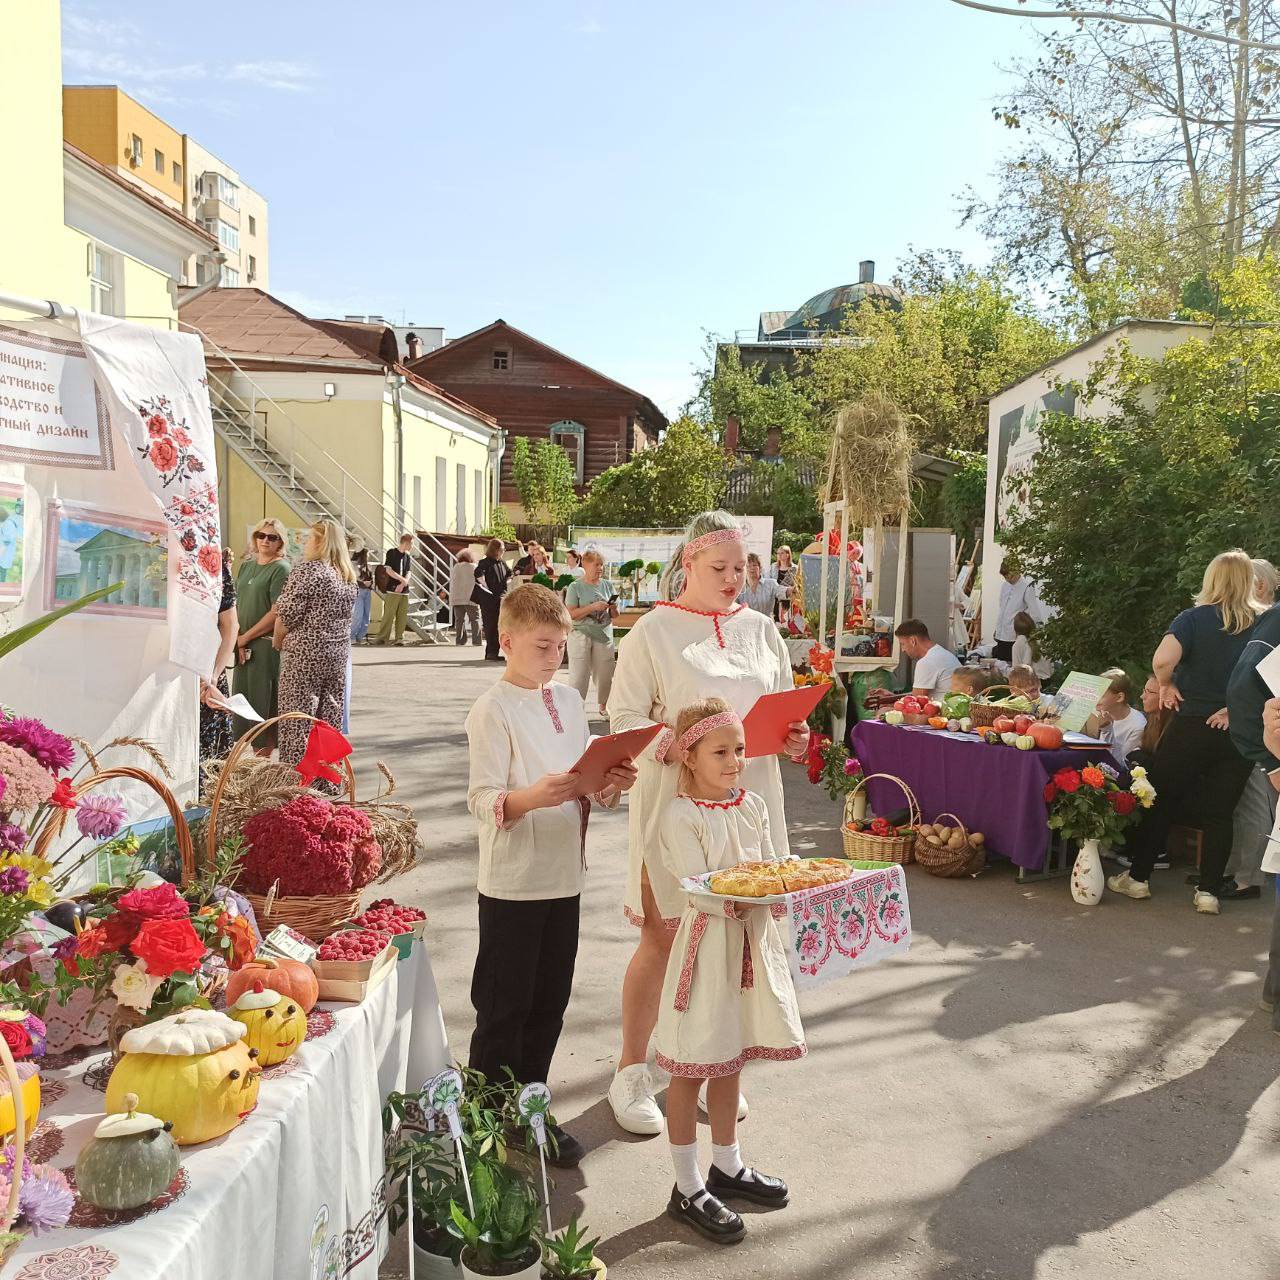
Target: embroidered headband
714,538
705,726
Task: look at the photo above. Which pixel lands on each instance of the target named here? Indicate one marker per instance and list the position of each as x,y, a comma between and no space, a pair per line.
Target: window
159,161
104,282
253,225
477,515
442,480
460,498
253,267
502,359
417,502
177,173
571,436
228,236
215,187
230,278
135,150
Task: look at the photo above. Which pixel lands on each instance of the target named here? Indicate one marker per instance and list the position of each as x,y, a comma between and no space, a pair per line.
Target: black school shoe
750,1184
707,1216
565,1152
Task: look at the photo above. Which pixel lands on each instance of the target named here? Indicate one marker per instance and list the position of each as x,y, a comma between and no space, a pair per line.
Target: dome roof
826,309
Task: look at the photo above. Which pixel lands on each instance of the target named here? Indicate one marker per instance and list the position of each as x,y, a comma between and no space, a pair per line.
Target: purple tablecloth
996,790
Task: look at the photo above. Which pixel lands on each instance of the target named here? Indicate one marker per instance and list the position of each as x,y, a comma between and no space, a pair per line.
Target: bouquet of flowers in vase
829,763
1090,804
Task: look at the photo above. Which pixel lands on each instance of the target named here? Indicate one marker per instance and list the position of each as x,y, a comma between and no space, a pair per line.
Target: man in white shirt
1018,594
934,664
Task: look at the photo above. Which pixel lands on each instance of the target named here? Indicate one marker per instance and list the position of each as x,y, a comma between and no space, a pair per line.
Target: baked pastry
748,880
813,873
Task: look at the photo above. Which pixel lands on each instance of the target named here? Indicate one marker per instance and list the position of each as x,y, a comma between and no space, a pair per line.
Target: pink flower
157,426
180,437
99,817
851,766
163,902
47,748
27,785
891,913
210,559
164,456
809,944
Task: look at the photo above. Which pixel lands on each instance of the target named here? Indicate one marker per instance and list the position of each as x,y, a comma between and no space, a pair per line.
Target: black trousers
521,985
1195,769
489,614
1002,650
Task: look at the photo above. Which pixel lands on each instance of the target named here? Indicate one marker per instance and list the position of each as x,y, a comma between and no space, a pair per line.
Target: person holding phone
592,604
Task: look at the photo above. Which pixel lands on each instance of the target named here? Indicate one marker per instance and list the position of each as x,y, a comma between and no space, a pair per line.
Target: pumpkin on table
290,978
30,1094
275,1026
130,1160
192,1069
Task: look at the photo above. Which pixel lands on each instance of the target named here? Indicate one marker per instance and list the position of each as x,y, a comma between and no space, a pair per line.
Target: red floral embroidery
698,928
669,923
84,1262
666,740
319,1023
193,518
748,969
170,450
731,803
549,701
500,812
713,1070
715,617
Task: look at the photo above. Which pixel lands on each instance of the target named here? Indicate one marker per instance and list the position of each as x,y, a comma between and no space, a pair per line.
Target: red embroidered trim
669,923
698,928
549,701
666,739
717,804
584,817
702,613
500,810
713,1070
748,969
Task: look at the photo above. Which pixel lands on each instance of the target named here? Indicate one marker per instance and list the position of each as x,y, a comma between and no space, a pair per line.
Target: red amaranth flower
310,846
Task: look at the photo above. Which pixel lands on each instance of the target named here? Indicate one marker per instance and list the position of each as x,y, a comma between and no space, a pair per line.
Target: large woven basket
901,848
315,916
966,859
9,1210
984,713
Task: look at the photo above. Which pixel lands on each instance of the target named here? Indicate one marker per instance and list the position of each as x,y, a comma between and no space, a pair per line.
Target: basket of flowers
879,839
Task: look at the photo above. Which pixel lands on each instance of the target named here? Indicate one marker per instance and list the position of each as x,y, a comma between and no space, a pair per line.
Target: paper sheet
238,705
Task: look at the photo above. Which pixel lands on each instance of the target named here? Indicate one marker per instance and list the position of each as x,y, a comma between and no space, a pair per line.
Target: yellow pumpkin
30,1101
274,1024
192,1069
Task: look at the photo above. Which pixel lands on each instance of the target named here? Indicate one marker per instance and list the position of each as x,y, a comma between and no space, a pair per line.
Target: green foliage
781,490
795,540
544,478
500,526
1089,813
662,487
1126,510
964,495
759,401
566,1254
505,1221
28,631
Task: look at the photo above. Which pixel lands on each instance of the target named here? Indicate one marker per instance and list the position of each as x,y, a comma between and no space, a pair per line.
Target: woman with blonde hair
1192,665
313,633
259,581
696,642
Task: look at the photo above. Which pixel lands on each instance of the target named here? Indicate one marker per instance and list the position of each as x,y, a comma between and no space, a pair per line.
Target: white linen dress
674,657
728,998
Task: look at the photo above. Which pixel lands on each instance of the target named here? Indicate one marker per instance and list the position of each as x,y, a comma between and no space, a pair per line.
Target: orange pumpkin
937,722
1048,737
291,978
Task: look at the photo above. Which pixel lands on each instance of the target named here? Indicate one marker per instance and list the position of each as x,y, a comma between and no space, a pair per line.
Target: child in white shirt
1118,724
524,736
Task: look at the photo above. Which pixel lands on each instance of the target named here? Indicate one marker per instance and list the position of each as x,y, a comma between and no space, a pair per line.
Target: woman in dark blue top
1196,761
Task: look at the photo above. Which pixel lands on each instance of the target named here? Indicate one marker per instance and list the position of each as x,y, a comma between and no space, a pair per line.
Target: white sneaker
633,1103
743,1109
1206,903
1131,888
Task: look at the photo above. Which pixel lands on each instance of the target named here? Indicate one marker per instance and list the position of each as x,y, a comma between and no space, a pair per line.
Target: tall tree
544,479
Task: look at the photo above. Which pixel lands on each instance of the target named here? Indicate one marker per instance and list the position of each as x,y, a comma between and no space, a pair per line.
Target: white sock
689,1180
727,1159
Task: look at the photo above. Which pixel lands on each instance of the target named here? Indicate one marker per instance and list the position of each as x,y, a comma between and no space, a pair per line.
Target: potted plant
566,1255
500,1238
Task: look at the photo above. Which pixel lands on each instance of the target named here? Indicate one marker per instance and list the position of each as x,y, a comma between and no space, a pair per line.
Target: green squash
129,1161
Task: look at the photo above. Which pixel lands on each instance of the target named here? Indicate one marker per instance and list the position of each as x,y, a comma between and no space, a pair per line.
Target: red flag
325,747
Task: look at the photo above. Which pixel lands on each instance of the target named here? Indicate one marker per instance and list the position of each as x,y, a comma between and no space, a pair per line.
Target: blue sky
617,179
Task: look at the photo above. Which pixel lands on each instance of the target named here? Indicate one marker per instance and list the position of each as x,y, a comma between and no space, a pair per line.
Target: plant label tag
289,943
534,1103
444,1092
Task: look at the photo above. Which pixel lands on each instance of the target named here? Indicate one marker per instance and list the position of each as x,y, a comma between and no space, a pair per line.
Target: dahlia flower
45,747
12,838
45,1199
99,817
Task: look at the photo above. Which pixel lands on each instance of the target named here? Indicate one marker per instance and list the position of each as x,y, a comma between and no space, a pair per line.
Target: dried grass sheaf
873,443
256,784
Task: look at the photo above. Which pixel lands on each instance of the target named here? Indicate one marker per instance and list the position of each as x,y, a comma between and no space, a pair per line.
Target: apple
1022,723
1002,725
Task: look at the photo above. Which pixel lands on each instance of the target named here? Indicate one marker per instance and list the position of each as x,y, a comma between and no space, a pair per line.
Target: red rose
93,942
181,437
15,1036
168,946
210,559
1067,780
164,456
1124,802
64,794
157,426
120,929
1050,793
163,902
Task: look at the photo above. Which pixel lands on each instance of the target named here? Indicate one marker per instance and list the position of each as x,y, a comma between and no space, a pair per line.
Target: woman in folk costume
728,998
694,643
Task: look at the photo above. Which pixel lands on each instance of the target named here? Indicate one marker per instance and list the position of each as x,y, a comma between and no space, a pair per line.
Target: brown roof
376,340
259,331
134,190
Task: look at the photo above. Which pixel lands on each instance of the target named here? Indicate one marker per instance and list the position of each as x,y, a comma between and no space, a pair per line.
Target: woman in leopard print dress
313,632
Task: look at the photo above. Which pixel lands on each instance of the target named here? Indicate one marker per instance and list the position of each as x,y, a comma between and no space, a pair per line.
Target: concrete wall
250,205
101,119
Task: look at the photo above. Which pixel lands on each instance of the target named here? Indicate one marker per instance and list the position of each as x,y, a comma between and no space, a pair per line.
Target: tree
662,487
544,479
1125,510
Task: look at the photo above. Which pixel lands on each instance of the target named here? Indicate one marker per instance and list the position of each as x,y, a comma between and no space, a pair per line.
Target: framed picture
89,549
11,541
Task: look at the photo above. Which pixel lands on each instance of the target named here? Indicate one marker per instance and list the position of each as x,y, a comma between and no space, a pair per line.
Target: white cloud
292,77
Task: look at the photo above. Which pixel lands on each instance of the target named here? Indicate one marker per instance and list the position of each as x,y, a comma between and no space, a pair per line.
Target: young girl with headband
696,642
728,997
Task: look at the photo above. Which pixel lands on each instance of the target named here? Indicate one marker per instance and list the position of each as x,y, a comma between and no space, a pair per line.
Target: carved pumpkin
290,978
30,1078
192,1069
274,1025
129,1161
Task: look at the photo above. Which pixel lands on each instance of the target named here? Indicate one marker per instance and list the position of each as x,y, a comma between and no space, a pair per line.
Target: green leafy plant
566,1254
544,478
500,1238
500,526
1090,804
28,631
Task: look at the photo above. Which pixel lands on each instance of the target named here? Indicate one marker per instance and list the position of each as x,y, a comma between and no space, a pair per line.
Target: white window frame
566,434
106,288
228,236
229,277
160,162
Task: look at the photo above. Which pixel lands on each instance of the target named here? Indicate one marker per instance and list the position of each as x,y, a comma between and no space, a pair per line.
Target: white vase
532,1272
432,1266
1087,880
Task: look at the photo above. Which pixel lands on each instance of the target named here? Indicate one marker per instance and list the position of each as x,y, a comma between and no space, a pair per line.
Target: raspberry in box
353,979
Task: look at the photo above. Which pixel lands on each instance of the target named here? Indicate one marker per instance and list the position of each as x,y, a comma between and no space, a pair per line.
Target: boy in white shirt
1118,724
524,736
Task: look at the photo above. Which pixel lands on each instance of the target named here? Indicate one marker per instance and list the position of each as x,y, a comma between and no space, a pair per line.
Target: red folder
768,722
603,754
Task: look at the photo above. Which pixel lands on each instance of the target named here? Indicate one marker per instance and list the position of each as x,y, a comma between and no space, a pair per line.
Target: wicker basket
316,916
9,1212
900,848
984,714
966,859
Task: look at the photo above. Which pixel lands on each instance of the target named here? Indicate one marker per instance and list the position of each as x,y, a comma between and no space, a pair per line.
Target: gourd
30,1077
192,1069
1024,742
1009,738
290,978
274,1025
893,717
129,1161
1048,737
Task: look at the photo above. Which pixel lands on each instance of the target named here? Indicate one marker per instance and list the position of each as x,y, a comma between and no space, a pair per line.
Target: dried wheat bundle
873,442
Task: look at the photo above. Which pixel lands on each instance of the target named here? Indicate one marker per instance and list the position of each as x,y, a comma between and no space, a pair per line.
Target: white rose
133,986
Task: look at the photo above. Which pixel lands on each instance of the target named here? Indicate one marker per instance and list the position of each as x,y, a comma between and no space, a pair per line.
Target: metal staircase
317,486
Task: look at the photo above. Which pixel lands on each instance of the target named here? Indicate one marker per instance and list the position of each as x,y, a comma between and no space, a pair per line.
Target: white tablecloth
296,1192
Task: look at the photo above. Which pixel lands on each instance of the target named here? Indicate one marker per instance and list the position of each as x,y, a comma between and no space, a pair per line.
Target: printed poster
1077,699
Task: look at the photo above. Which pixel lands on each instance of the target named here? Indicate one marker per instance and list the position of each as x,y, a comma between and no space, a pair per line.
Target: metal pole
46,308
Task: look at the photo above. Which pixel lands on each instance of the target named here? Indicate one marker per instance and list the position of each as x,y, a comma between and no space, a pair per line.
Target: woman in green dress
260,580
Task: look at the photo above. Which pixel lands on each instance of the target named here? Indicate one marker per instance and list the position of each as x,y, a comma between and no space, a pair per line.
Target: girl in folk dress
313,632
728,997
694,643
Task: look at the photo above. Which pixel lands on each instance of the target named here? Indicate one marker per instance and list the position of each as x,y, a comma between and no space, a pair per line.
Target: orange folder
603,754
768,722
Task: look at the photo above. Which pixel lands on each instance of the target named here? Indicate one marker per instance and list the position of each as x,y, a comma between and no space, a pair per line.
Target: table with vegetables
991,776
